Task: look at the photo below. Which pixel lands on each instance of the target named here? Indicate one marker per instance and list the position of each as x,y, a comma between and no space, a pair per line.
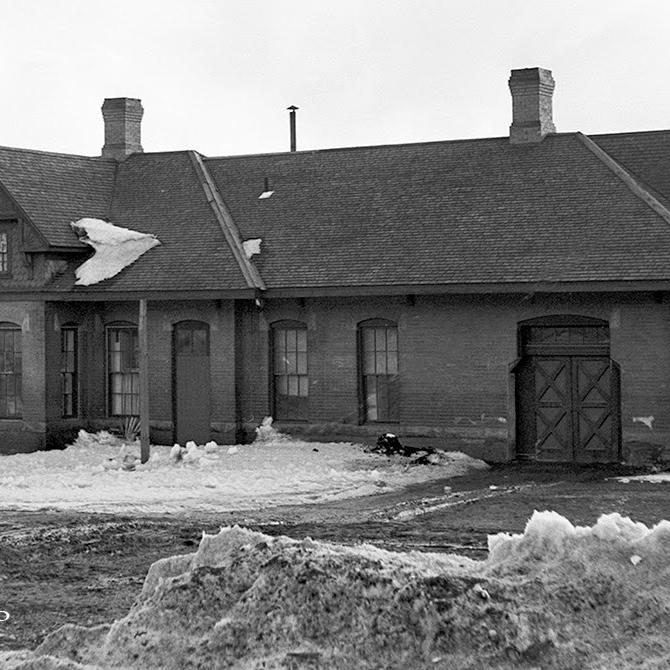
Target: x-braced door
568,396
553,406
575,409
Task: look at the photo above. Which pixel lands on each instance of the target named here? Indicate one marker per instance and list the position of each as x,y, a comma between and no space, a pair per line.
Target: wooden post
144,381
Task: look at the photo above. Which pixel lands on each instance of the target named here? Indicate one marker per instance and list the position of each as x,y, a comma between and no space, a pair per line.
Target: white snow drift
555,597
115,248
99,473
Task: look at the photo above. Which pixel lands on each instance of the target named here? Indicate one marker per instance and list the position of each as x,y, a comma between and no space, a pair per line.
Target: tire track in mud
410,509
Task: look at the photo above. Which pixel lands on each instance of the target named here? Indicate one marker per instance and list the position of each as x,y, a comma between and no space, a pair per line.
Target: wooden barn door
567,395
191,382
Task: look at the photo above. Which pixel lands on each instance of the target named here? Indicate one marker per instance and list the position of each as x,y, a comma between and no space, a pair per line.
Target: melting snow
115,248
252,247
657,478
556,596
646,420
100,473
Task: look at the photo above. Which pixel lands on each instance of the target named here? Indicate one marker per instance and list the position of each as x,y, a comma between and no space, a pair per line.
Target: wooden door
596,402
553,409
191,382
567,396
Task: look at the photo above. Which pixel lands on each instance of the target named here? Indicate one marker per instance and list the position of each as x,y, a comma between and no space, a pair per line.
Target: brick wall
92,321
28,432
455,358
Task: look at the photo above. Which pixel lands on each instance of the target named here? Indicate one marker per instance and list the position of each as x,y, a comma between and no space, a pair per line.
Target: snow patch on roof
115,249
252,247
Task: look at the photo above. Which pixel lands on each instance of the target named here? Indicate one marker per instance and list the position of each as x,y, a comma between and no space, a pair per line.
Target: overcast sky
217,75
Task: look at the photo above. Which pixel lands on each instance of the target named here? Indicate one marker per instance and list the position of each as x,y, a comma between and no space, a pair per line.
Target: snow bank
115,248
557,596
101,473
552,537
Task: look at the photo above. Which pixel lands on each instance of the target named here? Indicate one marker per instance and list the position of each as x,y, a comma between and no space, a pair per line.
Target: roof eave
482,288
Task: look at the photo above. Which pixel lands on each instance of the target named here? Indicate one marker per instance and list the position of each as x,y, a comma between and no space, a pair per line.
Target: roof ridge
368,147
371,146
636,185
42,152
226,222
165,152
631,132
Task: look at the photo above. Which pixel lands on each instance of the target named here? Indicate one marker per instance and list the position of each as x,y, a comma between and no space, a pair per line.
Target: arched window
69,370
11,404
379,382
290,381
123,372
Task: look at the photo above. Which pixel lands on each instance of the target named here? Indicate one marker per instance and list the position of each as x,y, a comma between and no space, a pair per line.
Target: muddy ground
58,567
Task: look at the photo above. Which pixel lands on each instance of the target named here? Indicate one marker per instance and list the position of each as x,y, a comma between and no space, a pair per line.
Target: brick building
507,296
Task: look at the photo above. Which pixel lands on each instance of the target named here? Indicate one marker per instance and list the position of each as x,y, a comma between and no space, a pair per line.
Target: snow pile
266,432
555,597
100,472
115,248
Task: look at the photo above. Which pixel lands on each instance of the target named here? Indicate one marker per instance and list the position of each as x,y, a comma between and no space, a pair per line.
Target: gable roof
54,189
455,213
461,212
162,193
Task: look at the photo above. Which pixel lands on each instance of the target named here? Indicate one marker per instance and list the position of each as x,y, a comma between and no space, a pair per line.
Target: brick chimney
532,90
123,118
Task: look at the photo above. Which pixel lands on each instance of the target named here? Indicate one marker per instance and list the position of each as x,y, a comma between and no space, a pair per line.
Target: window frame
196,347
133,373
297,404
391,381
74,392
5,228
16,330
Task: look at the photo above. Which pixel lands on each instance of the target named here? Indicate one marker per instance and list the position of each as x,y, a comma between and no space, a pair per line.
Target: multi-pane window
11,405
379,380
4,252
123,371
289,366
69,372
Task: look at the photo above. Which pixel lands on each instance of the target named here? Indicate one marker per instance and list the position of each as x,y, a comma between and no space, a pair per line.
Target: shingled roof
162,193
455,213
646,155
460,212
55,189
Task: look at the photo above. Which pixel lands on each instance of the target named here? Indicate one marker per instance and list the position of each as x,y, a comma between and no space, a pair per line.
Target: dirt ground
58,567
